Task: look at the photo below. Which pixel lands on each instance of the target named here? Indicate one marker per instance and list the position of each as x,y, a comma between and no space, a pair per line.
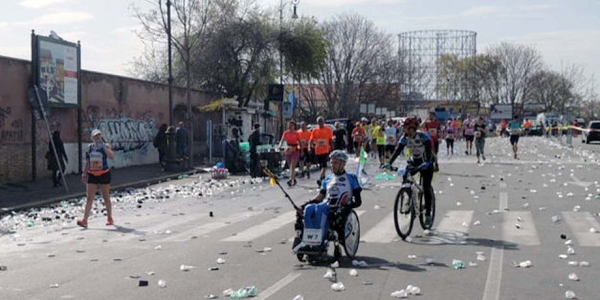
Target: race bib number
322,142
95,161
477,134
417,153
358,138
391,139
303,143
515,131
433,132
312,236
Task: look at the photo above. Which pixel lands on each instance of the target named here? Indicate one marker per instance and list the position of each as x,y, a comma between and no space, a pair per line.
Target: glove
424,165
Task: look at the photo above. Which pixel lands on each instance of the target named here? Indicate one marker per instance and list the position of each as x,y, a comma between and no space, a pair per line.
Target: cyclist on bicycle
422,160
338,189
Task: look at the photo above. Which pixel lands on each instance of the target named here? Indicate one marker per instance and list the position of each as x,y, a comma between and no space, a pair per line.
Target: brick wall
127,110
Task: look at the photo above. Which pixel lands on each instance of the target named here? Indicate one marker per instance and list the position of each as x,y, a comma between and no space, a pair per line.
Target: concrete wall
126,110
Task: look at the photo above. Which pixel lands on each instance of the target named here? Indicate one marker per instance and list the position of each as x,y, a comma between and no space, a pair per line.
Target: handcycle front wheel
422,215
404,213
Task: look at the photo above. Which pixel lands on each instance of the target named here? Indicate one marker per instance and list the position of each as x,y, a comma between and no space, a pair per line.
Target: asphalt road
478,209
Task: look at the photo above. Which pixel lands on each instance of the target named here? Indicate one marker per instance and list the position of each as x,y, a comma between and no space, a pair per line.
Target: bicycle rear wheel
404,213
423,213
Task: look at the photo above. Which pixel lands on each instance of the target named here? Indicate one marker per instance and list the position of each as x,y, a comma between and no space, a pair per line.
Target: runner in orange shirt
321,140
292,150
358,136
306,155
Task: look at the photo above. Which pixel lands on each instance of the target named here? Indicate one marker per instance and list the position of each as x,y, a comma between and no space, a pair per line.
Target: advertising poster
58,67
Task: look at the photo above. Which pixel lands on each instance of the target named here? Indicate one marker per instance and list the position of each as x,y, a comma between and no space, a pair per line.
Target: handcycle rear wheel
351,234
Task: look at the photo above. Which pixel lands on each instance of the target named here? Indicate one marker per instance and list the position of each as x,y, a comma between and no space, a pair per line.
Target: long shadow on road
448,237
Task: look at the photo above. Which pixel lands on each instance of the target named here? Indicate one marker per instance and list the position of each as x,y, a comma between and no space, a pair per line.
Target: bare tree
559,91
192,19
356,56
519,63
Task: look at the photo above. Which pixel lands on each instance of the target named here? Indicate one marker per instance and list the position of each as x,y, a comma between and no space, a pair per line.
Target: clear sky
564,31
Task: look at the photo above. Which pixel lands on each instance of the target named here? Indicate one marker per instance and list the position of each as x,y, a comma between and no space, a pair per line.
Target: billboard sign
501,111
58,68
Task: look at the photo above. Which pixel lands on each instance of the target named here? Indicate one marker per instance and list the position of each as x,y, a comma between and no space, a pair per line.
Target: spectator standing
57,167
160,143
182,138
340,137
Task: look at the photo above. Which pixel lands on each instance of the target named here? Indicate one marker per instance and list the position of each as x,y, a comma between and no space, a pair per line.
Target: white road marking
494,277
580,224
503,201
263,228
210,227
526,234
578,182
383,232
277,286
454,221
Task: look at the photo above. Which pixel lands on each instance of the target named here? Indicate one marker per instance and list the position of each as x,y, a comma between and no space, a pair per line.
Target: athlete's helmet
338,154
410,123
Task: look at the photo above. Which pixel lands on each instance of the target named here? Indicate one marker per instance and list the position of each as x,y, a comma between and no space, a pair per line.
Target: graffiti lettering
4,113
14,134
127,134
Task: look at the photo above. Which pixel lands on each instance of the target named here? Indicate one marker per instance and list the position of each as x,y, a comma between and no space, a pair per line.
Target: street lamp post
170,79
170,159
294,16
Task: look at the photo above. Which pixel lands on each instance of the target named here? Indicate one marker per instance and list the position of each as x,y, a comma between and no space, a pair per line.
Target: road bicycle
410,203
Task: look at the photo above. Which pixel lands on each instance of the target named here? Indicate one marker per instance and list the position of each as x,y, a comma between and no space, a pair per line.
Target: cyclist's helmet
338,154
411,123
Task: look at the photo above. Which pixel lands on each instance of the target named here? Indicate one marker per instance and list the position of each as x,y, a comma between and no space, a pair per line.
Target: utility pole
592,98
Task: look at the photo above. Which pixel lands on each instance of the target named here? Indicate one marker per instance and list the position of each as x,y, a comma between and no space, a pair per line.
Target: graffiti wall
127,111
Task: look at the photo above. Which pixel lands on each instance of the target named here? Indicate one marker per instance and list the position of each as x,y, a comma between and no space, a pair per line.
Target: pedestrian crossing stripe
382,232
207,228
263,228
518,228
580,224
455,221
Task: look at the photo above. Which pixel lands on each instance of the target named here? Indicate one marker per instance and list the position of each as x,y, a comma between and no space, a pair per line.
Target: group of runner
379,138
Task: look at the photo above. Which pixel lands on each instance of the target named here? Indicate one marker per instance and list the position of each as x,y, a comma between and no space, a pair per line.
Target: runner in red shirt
434,128
358,136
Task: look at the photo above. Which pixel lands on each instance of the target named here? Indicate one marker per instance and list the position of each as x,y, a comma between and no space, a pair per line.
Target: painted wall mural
130,134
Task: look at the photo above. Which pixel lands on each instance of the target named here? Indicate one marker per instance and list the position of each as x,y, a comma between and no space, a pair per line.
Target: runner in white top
391,137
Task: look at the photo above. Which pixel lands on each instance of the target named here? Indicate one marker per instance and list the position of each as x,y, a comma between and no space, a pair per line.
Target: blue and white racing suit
422,160
342,191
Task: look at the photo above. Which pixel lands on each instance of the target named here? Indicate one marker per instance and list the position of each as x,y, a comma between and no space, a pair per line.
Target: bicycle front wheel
424,224
404,214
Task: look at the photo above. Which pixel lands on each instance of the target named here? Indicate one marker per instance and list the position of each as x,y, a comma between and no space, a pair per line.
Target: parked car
594,134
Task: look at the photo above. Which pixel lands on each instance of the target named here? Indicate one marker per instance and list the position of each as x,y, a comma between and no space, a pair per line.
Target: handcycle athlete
422,160
341,192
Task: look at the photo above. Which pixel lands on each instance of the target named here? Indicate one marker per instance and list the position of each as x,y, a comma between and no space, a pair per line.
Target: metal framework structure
419,52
